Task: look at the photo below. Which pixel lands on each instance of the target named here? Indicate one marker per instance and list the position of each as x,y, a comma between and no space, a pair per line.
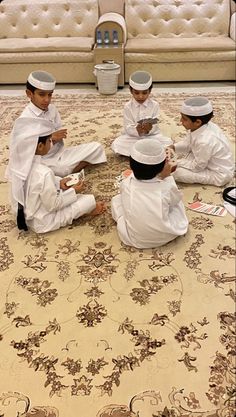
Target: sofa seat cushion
83,44
46,57
190,56
179,44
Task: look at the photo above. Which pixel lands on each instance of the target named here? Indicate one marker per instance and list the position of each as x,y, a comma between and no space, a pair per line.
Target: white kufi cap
42,80
196,106
148,151
140,80
23,144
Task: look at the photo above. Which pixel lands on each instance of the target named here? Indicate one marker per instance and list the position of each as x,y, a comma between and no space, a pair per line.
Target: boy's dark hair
144,171
150,88
30,87
204,119
43,139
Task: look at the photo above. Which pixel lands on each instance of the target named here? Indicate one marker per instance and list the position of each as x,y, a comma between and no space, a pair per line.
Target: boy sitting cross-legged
42,201
62,160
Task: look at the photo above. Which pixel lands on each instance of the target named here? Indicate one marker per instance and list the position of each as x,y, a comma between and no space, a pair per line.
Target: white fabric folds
23,144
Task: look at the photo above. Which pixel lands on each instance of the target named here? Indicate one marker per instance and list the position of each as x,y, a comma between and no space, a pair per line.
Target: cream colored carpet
91,328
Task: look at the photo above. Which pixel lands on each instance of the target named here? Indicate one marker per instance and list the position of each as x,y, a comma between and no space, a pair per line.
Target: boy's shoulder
26,110
214,126
211,129
41,168
31,110
39,174
153,101
129,102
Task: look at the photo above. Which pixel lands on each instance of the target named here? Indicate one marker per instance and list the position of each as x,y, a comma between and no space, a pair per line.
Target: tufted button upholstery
173,39
177,18
55,18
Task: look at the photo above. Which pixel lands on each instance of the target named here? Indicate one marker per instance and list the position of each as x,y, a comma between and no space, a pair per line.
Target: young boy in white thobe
42,201
62,160
139,108
149,210
208,159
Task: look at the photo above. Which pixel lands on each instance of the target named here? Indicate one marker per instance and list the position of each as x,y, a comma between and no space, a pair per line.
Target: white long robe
60,159
149,213
133,112
47,207
209,159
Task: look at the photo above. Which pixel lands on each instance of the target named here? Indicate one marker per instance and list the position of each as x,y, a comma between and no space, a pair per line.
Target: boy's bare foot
99,209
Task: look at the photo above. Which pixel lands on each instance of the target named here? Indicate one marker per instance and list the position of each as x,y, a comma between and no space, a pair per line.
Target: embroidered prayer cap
140,80
196,106
148,151
42,80
23,144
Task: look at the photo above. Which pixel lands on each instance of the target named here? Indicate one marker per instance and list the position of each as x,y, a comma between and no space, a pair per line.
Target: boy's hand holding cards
172,159
144,126
75,178
152,120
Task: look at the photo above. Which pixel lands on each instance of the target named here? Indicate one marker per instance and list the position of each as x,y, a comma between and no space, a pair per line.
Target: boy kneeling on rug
149,210
43,202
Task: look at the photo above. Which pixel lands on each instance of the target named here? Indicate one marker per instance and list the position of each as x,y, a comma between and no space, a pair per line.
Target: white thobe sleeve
174,195
58,126
155,113
57,182
201,156
184,145
57,120
130,122
54,199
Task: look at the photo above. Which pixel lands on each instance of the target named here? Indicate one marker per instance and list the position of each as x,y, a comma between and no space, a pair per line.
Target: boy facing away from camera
42,201
208,159
140,116
62,160
149,210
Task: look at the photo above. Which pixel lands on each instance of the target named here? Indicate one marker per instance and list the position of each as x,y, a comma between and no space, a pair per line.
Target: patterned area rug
91,328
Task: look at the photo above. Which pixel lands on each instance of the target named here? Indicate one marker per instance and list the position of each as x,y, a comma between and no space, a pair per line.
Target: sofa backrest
111,6
43,19
177,18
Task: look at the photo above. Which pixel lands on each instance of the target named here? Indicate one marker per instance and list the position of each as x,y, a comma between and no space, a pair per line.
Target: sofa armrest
233,26
109,19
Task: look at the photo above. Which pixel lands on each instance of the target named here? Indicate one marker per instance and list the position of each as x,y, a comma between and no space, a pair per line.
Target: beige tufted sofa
53,35
181,39
175,40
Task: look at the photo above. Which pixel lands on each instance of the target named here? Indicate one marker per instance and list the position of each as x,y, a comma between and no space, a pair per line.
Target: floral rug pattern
92,328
